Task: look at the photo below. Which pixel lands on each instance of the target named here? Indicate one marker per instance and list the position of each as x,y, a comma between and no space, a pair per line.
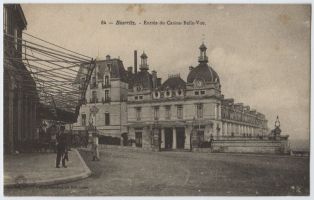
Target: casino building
136,105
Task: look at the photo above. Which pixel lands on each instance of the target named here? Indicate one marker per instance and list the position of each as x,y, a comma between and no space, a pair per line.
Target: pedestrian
95,147
53,137
61,148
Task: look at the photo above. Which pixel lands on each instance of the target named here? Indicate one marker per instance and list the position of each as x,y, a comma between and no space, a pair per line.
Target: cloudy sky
261,52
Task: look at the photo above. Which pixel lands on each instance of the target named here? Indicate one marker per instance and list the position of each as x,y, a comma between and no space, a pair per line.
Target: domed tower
144,65
203,88
142,81
203,74
203,57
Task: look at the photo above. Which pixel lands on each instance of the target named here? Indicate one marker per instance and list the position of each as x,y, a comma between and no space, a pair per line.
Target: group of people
62,148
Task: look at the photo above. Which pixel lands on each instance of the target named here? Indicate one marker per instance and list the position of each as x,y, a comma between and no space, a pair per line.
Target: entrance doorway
180,138
138,139
168,138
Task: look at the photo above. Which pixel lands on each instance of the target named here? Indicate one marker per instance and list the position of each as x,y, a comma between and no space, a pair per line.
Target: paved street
40,168
184,173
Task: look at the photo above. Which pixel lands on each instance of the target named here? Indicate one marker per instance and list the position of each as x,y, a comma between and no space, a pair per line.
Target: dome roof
203,72
173,83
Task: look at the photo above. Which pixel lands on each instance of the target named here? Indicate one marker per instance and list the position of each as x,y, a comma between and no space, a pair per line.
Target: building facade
20,96
144,108
105,105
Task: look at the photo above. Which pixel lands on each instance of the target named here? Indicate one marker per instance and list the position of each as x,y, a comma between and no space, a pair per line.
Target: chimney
158,82
154,77
107,57
135,62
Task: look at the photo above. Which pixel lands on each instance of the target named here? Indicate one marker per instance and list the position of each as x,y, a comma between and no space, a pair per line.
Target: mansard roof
144,79
174,82
116,69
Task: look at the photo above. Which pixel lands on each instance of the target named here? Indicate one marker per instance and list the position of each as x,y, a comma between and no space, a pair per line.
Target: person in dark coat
61,148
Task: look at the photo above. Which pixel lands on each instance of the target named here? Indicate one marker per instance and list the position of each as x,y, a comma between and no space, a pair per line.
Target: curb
87,172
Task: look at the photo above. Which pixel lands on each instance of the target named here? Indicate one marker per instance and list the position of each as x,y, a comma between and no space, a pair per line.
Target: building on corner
131,104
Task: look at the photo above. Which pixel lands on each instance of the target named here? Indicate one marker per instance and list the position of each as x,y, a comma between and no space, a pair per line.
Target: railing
93,100
93,85
243,137
106,86
106,100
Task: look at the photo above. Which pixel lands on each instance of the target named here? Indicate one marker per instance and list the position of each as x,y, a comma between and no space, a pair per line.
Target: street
124,173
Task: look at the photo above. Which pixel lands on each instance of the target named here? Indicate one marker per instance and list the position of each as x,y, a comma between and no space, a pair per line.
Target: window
141,97
106,80
168,112
83,119
82,82
180,112
107,98
199,110
156,113
138,113
138,139
202,92
200,134
109,66
196,93
136,97
107,119
94,97
94,84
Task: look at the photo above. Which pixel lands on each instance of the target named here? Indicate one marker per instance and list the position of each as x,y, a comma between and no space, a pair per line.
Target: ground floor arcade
168,136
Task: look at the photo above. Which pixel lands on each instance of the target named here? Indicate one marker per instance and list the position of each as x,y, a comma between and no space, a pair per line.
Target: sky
260,52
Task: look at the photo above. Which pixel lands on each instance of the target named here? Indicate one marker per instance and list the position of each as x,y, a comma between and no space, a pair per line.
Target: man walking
61,148
95,147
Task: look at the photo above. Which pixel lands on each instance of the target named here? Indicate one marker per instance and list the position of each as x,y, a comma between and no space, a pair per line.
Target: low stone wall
123,148
250,146
223,146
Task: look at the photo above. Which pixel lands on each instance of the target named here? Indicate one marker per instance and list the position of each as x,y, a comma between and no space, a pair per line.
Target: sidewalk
36,169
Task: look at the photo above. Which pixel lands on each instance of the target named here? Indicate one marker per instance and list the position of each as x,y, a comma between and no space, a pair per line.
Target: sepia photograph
156,99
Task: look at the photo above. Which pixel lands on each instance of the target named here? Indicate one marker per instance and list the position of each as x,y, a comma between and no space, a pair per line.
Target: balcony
93,100
106,100
93,85
106,86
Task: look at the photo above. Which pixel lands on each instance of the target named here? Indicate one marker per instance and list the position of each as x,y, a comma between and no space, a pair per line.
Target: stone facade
164,114
107,94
